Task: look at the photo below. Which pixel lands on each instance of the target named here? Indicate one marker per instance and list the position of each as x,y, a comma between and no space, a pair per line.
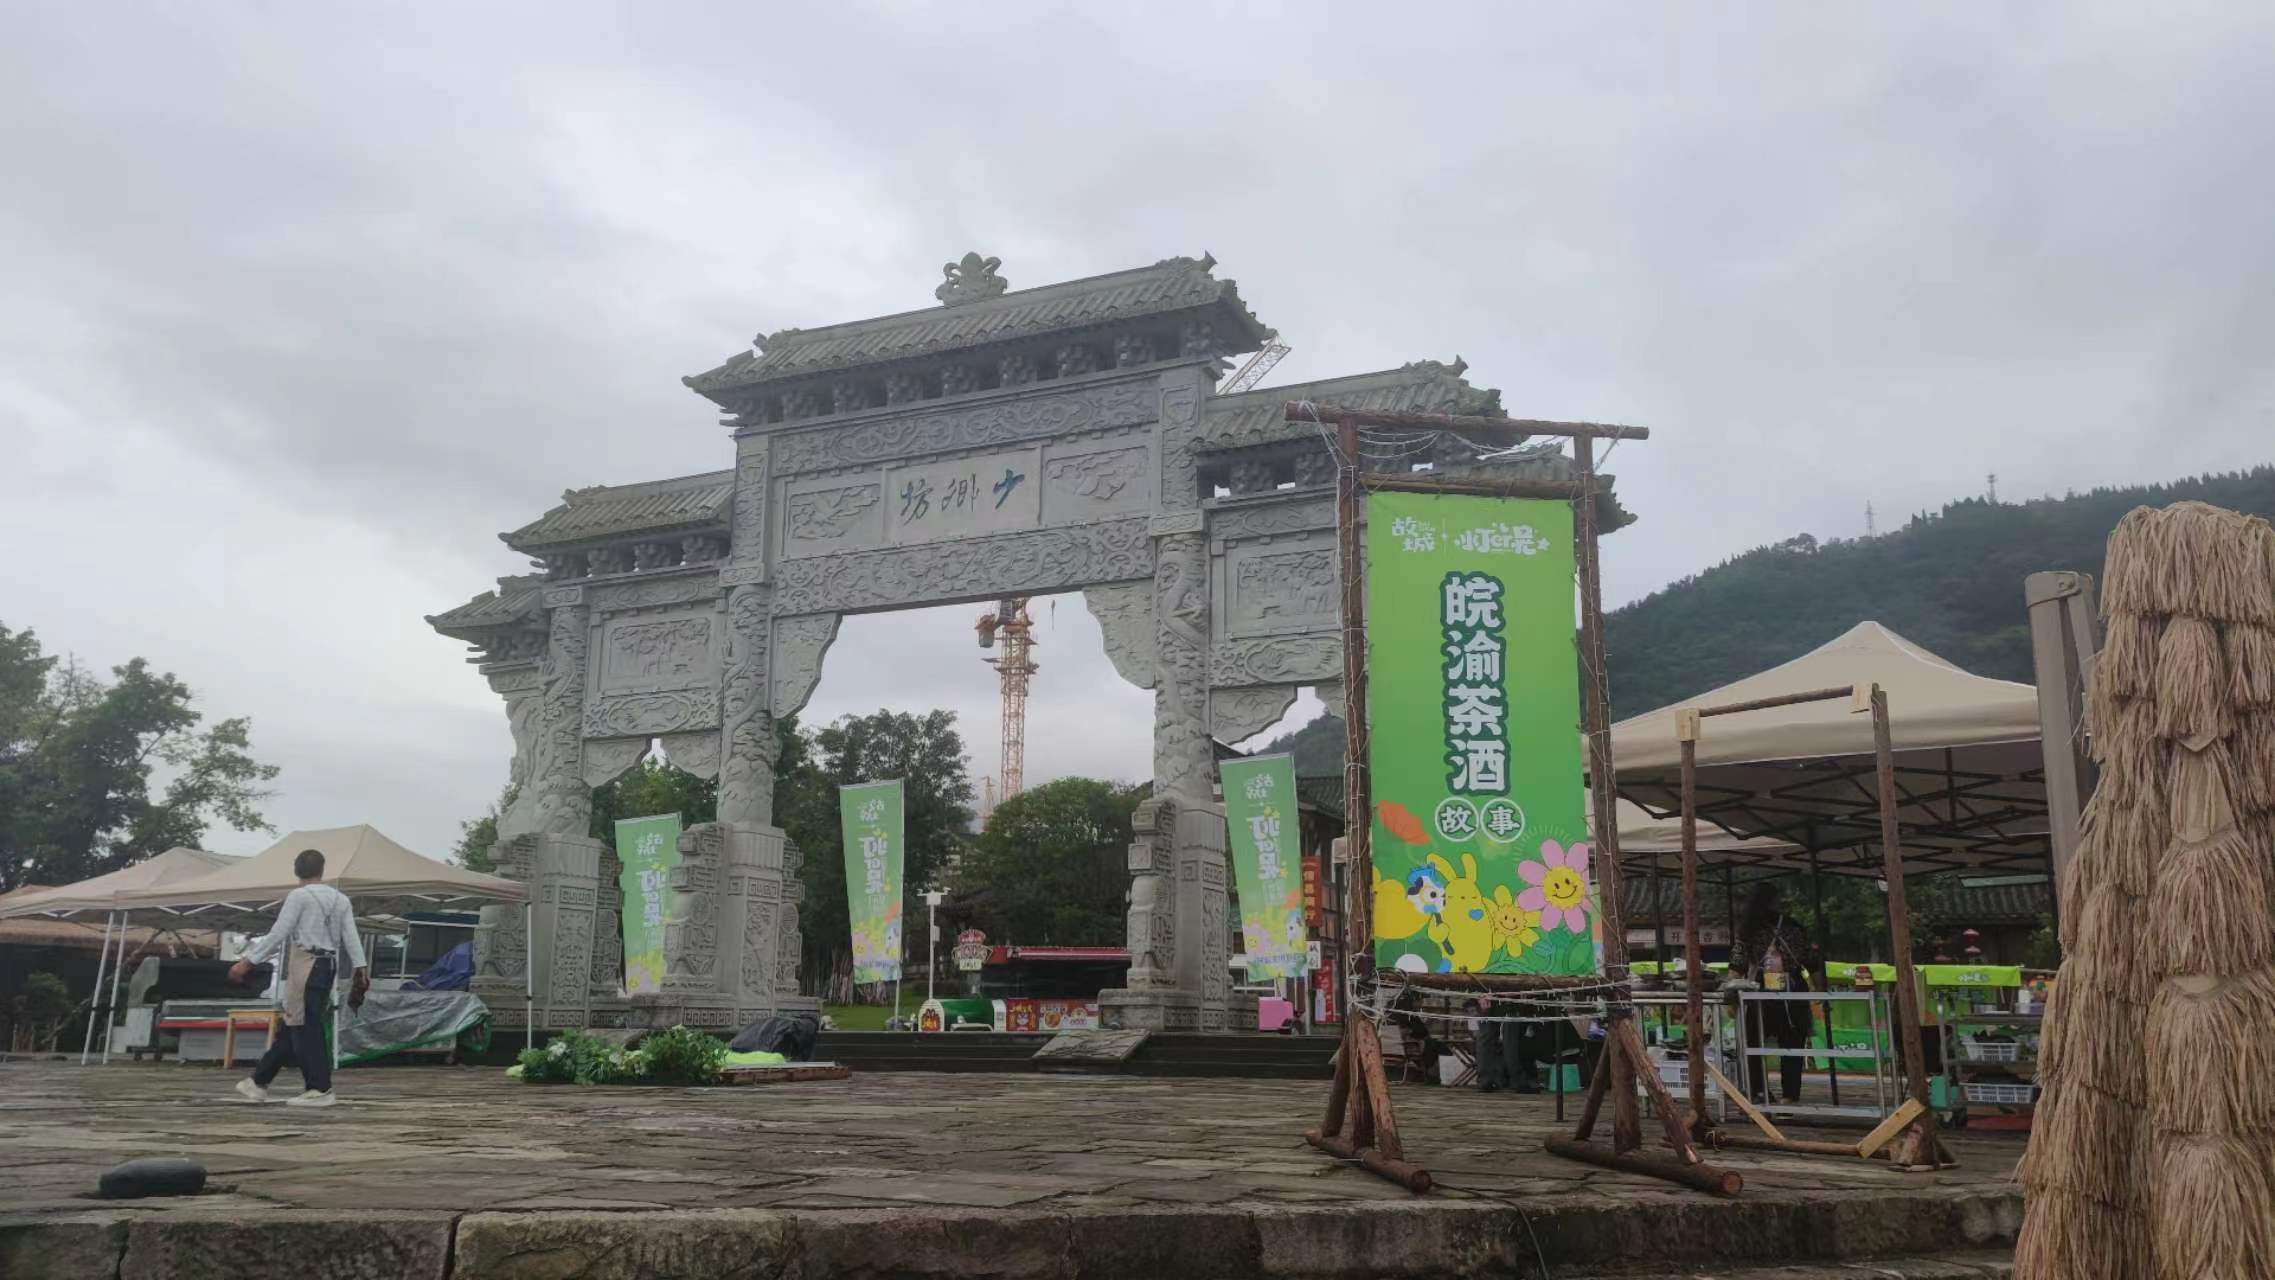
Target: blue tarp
451,973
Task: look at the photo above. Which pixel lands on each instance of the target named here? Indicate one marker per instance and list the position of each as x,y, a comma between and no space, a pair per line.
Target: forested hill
1950,581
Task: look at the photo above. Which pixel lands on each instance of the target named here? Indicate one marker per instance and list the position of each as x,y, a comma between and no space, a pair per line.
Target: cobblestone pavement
467,1139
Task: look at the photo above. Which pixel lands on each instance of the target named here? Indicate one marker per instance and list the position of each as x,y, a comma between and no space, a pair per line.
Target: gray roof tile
613,510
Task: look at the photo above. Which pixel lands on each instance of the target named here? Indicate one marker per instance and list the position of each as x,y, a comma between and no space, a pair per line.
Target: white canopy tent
1970,775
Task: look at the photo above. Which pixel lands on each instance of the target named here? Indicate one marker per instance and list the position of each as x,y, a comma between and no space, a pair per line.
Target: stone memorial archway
1003,443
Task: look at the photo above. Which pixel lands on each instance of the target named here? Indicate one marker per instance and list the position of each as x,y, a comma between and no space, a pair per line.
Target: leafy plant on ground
675,1057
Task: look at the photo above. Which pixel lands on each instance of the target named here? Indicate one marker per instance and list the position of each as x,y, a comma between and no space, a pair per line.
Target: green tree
478,839
78,758
652,788
1051,867
927,753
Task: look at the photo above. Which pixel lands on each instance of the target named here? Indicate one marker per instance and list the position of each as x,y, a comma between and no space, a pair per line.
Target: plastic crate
2002,1095
1569,1071
1991,1051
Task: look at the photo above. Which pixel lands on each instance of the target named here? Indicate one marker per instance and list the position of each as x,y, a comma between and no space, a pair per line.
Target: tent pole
95,997
110,1020
529,974
1824,957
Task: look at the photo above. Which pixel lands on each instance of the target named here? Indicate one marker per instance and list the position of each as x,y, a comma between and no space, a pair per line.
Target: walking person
315,930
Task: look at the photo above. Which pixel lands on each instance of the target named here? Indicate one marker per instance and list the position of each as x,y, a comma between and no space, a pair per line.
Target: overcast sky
299,306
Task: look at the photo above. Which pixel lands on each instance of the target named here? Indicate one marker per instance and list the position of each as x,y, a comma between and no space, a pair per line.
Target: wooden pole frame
1360,1094
1911,1128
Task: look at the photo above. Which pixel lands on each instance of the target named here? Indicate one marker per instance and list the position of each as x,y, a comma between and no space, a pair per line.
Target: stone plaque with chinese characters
964,498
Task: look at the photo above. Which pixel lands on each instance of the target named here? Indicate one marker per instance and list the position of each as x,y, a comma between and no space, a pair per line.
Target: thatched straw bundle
2066,1236
2152,1156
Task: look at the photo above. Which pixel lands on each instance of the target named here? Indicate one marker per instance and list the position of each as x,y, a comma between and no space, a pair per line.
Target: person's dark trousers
1518,1061
303,1046
1784,1023
1795,1035
1488,1056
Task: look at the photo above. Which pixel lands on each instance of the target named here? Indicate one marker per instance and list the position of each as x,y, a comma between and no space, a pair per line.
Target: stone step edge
1436,1237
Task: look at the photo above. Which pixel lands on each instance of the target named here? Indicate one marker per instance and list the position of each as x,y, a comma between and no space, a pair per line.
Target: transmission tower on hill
1011,624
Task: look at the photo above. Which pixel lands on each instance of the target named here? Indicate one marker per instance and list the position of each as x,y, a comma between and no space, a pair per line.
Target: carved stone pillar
564,802
742,871
563,874
748,747
1177,920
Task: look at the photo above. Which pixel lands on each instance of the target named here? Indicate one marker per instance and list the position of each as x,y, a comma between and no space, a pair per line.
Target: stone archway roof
1169,286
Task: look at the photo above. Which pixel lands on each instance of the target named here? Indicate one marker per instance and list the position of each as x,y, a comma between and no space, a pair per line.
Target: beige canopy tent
380,876
104,893
1970,774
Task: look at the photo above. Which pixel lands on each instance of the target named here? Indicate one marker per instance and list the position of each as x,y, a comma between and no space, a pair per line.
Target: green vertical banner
1267,862
870,813
1473,720
648,850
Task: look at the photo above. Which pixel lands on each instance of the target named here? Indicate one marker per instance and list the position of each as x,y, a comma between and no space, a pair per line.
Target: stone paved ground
460,1141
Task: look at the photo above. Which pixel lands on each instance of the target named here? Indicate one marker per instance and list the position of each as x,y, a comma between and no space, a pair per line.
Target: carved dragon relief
696,753
1236,715
1099,477
1125,619
825,515
799,645
976,568
608,759
619,715
1300,659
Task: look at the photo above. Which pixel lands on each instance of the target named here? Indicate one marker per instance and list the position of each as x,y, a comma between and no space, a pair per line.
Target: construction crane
1258,365
1017,631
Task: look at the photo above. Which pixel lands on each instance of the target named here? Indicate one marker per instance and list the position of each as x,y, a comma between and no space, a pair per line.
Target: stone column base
1150,1009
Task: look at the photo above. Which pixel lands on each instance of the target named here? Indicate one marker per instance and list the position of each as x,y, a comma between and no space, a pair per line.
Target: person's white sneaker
312,1099
251,1092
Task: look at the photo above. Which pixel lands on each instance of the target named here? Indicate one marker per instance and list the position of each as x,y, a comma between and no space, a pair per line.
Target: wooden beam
1757,1142
1376,1084
1705,1177
1599,1083
1304,411
1694,964
1745,1104
1671,1117
1897,1121
1781,700
1473,486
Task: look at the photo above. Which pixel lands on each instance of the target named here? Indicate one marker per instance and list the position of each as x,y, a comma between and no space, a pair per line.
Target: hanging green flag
1267,856
1473,718
870,814
647,850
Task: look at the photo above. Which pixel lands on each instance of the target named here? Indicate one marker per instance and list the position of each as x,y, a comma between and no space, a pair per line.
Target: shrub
675,1057
683,1057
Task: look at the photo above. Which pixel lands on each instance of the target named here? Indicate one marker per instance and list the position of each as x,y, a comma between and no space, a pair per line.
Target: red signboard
1311,891
1323,994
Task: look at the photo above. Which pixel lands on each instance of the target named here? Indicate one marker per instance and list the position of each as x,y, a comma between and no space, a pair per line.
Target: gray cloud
303,307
